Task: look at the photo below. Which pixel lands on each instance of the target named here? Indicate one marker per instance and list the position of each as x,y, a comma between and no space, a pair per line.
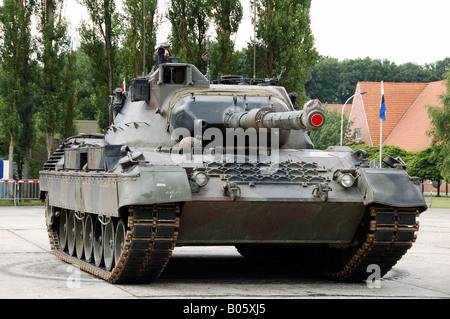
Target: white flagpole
381,124
381,140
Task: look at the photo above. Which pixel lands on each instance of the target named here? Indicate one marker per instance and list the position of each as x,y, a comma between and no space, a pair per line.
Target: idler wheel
79,231
71,233
119,240
108,245
98,243
63,229
88,238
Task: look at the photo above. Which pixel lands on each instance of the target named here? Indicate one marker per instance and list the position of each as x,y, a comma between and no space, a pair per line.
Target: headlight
200,178
346,180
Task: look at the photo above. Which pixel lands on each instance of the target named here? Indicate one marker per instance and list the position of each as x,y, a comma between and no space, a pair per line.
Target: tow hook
321,191
232,190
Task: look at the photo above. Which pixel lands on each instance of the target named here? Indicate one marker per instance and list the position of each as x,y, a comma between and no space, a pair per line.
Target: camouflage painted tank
186,162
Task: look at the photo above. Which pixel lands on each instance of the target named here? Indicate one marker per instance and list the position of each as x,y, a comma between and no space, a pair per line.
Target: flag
4,169
123,85
383,104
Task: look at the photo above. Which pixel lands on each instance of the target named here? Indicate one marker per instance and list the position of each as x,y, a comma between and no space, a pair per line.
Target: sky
400,31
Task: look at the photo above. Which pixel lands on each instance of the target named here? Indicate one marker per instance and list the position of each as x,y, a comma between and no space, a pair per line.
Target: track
385,235
150,237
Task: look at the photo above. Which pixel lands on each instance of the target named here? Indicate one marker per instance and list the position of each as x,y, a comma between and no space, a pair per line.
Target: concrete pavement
28,269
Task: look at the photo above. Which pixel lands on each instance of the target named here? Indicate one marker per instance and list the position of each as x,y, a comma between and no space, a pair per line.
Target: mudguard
155,184
391,187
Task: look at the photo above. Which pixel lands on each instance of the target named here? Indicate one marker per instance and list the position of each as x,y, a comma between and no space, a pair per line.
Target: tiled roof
398,98
410,132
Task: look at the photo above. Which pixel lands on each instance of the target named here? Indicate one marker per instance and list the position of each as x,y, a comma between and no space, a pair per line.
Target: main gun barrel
311,117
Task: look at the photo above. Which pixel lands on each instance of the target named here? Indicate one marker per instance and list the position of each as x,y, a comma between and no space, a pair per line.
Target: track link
150,238
391,233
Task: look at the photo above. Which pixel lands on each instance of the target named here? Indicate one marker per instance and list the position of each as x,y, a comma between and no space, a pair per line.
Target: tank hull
277,208
258,222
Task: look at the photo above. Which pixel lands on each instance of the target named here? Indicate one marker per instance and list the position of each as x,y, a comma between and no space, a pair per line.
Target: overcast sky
398,30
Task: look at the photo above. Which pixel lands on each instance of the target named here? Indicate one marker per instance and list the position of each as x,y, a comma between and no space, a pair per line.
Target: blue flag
383,104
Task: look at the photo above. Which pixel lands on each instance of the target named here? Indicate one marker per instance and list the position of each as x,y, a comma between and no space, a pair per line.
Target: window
357,134
175,75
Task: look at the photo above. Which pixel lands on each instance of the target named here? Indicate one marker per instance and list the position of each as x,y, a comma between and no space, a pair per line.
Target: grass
32,202
438,202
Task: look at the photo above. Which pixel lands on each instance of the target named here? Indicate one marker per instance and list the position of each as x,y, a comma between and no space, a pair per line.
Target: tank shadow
231,269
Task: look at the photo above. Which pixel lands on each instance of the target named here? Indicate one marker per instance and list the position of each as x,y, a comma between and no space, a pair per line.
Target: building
407,118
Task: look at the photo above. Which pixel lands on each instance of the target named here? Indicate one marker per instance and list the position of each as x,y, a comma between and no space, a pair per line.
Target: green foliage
18,71
285,42
69,73
440,130
373,152
332,81
132,51
84,77
327,81
99,43
16,49
227,14
190,21
330,133
56,87
426,164
94,48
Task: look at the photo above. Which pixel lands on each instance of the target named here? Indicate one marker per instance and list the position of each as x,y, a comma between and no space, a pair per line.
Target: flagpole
381,140
381,121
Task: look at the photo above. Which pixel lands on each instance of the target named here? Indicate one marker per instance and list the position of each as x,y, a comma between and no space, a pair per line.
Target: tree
97,41
330,132
55,90
437,69
426,164
190,21
440,129
333,81
93,47
85,109
285,42
227,14
327,82
69,86
16,86
134,43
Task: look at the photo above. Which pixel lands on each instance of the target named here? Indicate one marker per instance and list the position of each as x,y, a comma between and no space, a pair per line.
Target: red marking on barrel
317,120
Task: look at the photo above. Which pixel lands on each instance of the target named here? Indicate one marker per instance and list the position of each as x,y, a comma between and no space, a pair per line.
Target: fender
154,184
391,187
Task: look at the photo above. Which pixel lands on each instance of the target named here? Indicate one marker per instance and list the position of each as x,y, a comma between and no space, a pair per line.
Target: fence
21,190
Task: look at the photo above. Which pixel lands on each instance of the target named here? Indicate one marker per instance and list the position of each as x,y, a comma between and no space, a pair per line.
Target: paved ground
29,270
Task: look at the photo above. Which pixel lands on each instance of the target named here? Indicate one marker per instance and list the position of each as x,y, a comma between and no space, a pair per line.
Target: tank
188,163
